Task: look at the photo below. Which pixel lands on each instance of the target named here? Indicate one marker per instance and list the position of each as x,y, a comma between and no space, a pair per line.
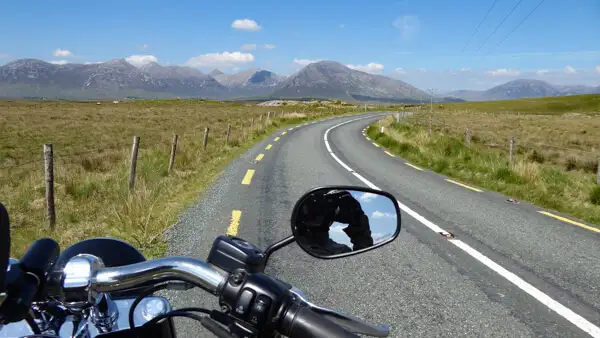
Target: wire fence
571,158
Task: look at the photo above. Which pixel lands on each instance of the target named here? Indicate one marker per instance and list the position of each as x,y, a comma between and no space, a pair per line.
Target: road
509,271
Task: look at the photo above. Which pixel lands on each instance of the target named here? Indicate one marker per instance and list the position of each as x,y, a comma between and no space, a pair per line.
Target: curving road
507,271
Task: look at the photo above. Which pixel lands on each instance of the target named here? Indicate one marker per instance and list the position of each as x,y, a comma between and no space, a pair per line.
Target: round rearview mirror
339,221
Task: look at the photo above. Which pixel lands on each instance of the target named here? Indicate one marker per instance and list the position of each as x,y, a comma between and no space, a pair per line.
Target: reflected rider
318,213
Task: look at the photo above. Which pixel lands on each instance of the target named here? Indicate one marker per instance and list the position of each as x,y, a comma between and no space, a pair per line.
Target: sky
432,44
382,218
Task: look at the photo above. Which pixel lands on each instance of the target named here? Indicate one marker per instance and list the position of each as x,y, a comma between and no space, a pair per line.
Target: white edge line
557,307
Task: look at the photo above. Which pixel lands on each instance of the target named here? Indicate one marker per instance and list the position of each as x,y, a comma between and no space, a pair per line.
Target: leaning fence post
49,179
173,151
228,132
397,117
468,137
598,173
511,145
205,142
134,154
268,117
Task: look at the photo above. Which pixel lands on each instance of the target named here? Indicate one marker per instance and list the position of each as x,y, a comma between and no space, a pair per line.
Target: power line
478,26
497,27
519,25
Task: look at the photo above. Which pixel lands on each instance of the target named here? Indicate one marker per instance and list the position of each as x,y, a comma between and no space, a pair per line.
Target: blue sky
421,42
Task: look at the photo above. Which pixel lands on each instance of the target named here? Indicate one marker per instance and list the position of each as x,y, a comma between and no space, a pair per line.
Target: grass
560,179
92,145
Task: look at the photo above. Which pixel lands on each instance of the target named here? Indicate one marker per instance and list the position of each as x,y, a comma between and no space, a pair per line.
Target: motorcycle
104,287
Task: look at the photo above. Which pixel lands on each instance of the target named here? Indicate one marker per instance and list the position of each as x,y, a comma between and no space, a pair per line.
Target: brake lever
348,322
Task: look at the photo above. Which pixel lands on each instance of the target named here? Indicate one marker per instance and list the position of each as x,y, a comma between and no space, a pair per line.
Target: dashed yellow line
276,139
387,152
285,132
375,144
259,157
413,166
269,147
248,177
464,185
234,226
570,221
368,138
291,129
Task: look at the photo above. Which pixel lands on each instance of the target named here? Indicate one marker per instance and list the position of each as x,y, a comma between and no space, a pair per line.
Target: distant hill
330,79
251,82
522,88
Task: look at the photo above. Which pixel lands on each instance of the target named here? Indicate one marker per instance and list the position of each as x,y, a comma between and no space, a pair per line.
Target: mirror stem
276,246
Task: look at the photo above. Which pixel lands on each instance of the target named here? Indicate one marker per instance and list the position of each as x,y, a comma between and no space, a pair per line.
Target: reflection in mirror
331,222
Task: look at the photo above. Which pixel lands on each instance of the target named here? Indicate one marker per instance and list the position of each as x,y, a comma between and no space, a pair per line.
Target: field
92,147
556,148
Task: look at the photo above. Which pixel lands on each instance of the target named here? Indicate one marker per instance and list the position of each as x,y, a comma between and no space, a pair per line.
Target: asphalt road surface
508,270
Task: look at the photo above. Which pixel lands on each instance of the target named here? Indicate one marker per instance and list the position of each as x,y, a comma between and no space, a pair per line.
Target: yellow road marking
387,152
570,221
285,132
375,144
259,157
464,185
248,177
276,139
291,129
413,166
368,138
269,147
232,230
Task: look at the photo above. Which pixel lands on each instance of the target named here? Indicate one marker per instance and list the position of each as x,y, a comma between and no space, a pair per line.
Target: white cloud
570,70
140,60
93,62
304,62
542,71
464,70
225,59
367,197
503,72
269,46
372,67
62,53
59,62
246,24
409,26
379,214
597,69
248,46
400,71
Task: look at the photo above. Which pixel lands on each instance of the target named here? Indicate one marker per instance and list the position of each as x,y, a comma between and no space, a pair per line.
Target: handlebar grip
303,322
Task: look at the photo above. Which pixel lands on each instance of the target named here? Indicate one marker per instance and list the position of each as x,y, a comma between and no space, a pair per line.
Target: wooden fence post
430,129
598,173
468,137
268,117
511,145
260,119
252,123
228,132
49,179
205,142
397,117
134,154
173,150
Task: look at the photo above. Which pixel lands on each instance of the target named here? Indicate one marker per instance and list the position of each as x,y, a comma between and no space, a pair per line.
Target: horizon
428,44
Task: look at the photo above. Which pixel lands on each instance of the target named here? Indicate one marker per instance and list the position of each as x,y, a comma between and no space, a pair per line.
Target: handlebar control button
259,310
243,303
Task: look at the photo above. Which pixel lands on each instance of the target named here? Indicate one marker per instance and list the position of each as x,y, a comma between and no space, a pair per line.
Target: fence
234,132
512,146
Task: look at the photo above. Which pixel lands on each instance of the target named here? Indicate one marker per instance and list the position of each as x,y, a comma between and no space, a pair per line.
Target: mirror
333,222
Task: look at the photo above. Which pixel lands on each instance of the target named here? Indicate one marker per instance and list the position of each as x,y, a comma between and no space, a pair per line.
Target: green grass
548,185
92,145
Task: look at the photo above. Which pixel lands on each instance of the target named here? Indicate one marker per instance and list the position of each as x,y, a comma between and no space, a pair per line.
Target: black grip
307,323
40,258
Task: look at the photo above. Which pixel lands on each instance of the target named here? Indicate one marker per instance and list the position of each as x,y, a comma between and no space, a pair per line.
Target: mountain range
523,88
116,79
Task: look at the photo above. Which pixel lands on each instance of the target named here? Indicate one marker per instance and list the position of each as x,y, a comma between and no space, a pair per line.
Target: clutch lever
350,323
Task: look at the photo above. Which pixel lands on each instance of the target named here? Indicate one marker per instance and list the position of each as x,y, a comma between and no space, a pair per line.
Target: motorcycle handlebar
301,321
193,271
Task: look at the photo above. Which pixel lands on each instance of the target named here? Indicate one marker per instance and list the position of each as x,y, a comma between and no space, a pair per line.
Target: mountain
215,72
522,88
112,79
330,79
251,82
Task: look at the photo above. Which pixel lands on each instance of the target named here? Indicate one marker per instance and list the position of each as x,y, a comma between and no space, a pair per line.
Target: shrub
595,196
